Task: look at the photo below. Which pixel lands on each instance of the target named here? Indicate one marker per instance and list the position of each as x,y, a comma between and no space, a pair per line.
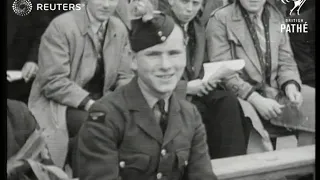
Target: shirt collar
151,99
94,24
258,14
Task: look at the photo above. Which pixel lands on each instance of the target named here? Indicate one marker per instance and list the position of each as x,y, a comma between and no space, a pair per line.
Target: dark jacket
303,47
20,125
128,144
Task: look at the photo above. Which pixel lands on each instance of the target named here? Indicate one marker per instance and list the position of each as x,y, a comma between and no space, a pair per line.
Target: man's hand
29,70
266,107
96,107
198,87
294,95
15,166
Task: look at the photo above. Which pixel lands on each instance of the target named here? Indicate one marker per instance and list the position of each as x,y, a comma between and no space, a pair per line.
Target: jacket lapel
274,33
110,53
142,113
174,121
239,28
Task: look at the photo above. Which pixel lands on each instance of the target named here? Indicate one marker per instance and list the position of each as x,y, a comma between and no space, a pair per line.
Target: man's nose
165,62
189,7
106,3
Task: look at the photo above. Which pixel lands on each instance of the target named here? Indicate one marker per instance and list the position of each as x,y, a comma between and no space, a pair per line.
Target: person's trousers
19,90
75,119
227,128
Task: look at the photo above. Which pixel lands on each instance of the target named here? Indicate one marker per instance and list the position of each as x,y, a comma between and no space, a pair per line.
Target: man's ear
171,2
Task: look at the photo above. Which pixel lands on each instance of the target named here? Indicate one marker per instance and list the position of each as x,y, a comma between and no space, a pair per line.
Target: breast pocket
182,160
134,162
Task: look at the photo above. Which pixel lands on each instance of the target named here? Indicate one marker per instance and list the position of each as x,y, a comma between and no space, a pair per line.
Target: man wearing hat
145,131
227,129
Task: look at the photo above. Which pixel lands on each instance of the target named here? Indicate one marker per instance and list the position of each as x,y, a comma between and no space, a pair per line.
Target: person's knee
229,99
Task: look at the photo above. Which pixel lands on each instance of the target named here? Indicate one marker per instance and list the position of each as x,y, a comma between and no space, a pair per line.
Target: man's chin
103,18
166,89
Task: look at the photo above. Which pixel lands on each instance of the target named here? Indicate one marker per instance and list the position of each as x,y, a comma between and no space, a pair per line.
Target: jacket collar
144,117
84,23
137,102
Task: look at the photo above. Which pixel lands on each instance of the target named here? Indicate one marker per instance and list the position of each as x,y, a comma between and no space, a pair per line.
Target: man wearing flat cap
147,133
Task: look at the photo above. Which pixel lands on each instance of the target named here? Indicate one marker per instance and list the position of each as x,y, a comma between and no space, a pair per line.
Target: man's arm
54,68
181,89
199,166
287,68
219,49
125,73
96,152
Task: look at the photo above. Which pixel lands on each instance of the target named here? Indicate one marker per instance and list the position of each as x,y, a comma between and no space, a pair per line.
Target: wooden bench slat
262,163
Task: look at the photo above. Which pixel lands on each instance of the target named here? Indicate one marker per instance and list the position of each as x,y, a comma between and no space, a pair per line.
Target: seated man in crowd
147,132
203,14
227,129
22,50
270,80
23,41
83,55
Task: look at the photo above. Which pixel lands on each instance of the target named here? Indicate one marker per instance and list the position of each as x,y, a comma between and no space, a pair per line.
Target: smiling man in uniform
146,132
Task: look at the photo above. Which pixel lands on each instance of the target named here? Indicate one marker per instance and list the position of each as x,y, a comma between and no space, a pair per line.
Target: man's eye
174,53
153,54
196,3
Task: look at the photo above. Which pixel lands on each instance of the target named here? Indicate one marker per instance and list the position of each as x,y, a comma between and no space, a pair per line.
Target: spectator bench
266,166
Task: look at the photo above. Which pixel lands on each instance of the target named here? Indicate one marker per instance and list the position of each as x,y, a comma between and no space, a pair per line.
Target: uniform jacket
128,143
228,38
67,61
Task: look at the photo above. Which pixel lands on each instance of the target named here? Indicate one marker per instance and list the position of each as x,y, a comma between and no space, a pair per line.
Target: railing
266,166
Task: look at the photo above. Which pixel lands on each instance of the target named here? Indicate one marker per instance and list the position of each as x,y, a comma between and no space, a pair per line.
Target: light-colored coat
228,28
67,61
228,38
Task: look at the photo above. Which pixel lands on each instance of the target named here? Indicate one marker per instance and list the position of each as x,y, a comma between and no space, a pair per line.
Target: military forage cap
148,32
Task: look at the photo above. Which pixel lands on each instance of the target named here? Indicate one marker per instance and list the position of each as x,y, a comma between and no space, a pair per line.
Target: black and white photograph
160,89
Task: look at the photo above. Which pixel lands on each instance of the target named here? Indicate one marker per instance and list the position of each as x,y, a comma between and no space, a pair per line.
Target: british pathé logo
293,23
22,7
297,4
295,26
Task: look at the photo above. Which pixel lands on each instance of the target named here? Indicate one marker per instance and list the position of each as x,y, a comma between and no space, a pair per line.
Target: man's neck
258,13
147,91
95,23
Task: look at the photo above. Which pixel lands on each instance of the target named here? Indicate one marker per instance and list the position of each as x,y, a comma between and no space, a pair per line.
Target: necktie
260,33
100,37
163,115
